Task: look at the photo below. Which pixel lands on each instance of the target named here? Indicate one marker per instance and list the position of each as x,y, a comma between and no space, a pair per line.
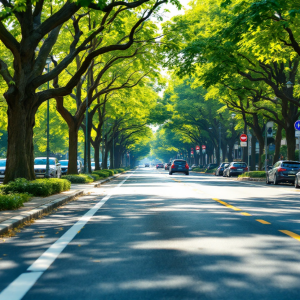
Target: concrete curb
36,212
23,217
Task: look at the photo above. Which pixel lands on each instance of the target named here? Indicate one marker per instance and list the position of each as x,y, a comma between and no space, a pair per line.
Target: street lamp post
47,174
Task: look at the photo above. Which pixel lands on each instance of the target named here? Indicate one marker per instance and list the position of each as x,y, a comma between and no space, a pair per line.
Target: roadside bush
38,187
95,176
196,169
110,172
101,173
81,178
13,201
119,170
254,174
210,171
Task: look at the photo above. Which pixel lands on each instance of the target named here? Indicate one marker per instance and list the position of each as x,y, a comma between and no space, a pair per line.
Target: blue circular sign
297,125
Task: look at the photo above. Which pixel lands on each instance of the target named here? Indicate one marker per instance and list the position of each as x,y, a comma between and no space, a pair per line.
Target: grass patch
13,201
39,187
254,174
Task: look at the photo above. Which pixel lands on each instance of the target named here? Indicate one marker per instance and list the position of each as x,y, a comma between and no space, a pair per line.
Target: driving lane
165,237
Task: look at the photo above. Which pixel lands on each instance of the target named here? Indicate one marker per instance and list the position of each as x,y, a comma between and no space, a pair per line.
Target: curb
15,221
35,213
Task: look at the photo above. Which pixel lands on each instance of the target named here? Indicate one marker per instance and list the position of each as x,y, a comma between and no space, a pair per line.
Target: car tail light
173,166
246,169
233,168
186,166
281,170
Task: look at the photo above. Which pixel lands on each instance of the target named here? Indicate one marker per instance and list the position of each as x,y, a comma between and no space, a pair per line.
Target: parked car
283,171
2,168
93,166
40,167
235,168
179,165
212,166
147,165
220,169
159,166
167,166
64,166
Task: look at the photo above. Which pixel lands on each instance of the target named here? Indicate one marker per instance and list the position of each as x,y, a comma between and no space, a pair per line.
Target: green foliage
210,171
101,173
38,187
198,169
110,172
81,178
13,201
254,174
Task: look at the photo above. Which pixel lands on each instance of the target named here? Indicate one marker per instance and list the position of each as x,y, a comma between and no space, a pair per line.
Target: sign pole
248,148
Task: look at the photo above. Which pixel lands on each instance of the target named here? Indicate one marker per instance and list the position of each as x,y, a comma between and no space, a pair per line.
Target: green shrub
95,176
81,178
210,171
38,187
198,169
101,173
13,201
110,172
254,174
120,170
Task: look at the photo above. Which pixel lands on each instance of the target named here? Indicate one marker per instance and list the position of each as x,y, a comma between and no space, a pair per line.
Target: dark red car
159,166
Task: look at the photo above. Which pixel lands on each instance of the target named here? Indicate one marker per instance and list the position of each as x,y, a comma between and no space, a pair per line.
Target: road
148,235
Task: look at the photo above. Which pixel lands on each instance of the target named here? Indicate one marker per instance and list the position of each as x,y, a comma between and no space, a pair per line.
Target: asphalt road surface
148,235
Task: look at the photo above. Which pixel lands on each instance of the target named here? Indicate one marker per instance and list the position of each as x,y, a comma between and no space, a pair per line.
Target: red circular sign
192,152
243,137
203,147
197,147
192,149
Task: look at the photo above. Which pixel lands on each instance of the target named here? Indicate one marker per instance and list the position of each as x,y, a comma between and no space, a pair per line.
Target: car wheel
296,183
275,180
170,173
267,180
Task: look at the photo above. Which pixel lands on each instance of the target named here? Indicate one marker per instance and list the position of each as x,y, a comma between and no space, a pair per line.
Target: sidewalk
37,206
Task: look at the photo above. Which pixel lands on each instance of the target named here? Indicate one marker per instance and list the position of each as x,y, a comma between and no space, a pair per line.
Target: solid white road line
21,285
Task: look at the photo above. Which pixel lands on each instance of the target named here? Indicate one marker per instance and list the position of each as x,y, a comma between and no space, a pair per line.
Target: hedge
110,172
81,178
196,169
101,173
254,174
38,187
210,171
13,201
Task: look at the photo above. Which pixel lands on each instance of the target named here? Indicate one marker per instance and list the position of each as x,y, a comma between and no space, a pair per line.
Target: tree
31,39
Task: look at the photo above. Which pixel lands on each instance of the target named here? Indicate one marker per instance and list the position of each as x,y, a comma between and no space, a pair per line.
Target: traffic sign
243,144
297,125
297,133
197,148
192,149
203,147
243,137
192,152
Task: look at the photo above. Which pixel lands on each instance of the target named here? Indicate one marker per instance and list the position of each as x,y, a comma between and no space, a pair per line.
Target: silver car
40,167
2,168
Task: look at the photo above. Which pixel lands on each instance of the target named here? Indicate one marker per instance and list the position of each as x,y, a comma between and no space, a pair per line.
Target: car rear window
291,165
240,165
180,162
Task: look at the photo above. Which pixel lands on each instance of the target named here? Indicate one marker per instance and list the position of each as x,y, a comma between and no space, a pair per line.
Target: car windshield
291,165
43,161
64,162
180,162
3,163
240,165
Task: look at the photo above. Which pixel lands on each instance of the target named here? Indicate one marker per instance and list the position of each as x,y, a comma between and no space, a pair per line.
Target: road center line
291,234
21,285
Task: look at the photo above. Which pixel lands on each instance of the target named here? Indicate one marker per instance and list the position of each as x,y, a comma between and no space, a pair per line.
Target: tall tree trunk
253,153
96,146
20,150
230,145
291,141
73,139
277,144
